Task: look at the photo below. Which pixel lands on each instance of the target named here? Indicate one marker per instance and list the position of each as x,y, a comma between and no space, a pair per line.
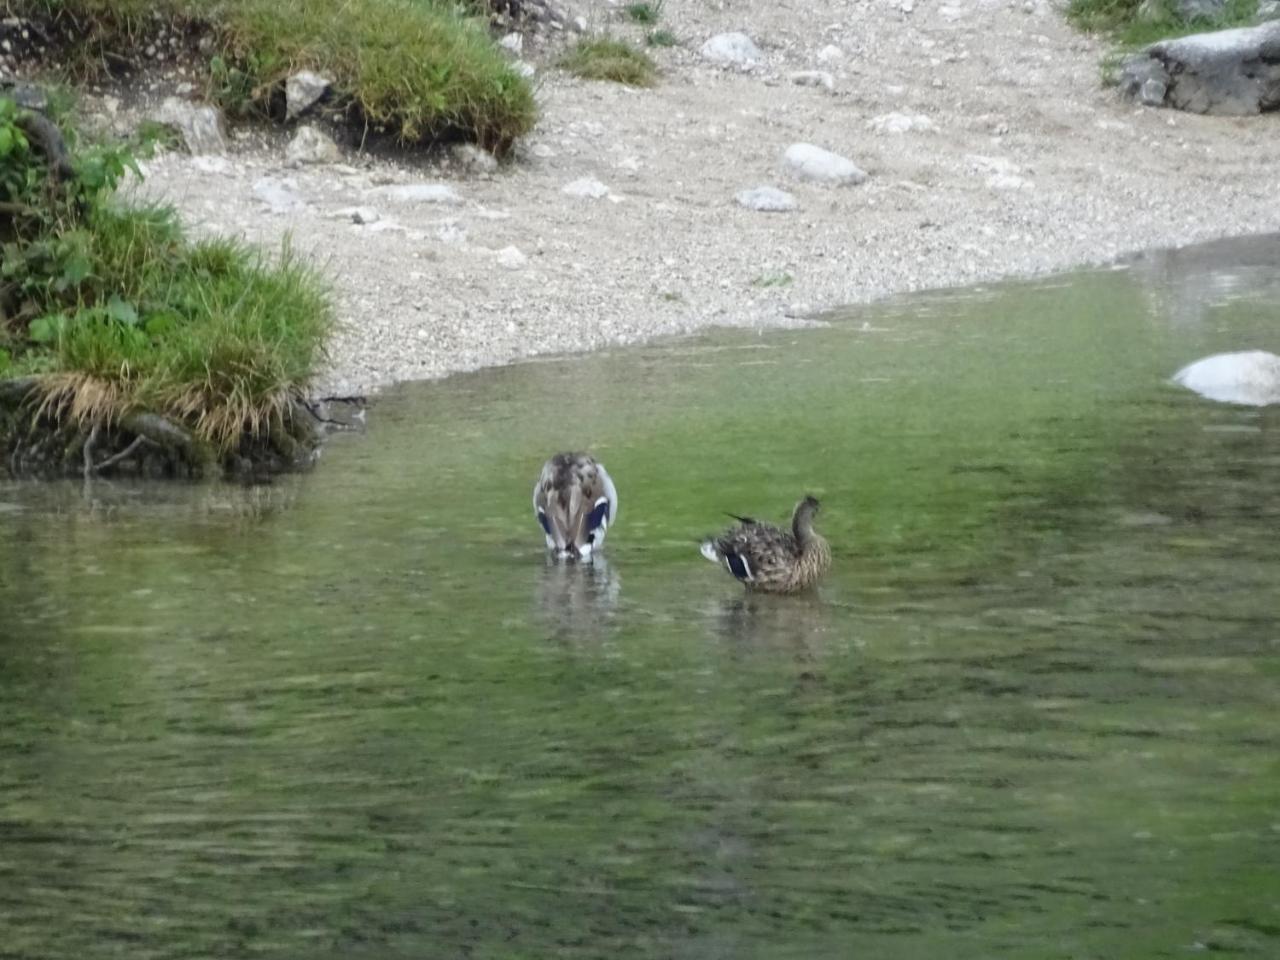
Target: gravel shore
991,151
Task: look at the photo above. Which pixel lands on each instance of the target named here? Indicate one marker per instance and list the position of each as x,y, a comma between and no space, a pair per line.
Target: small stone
302,91
766,200
423,193
542,151
586,187
814,78
809,162
1006,181
524,68
473,158
512,258
1152,92
732,49
365,215
513,42
311,145
830,54
897,123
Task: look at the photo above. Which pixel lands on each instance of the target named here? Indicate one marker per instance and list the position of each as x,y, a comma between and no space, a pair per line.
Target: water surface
1034,711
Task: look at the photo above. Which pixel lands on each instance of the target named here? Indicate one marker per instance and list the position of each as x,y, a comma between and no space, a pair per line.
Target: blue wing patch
738,566
599,516
542,519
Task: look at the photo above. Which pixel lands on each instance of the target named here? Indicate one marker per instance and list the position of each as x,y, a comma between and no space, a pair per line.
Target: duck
575,503
1249,378
768,559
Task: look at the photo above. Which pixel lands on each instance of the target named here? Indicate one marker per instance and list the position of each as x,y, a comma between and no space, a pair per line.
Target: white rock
278,195
422,193
814,78
312,145
513,42
766,200
732,49
586,187
512,258
1007,181
830,54
473,158
452,232
200,126
365,215
524,68
302,91
901,123
542,151
1251,378
809,162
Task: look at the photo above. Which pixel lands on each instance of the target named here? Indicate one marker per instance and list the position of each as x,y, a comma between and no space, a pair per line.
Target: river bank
991,147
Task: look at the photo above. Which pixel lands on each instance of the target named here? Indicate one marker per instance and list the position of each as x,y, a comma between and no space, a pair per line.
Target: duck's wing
755,553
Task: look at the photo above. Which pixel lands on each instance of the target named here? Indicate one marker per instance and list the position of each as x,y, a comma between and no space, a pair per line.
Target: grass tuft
417,69
1125,21
661,38
115,311
644,13
608,59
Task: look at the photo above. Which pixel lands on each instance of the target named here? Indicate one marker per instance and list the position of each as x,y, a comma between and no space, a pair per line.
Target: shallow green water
1034,711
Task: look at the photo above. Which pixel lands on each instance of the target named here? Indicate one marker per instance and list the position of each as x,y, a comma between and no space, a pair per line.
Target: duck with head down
768,559
575,503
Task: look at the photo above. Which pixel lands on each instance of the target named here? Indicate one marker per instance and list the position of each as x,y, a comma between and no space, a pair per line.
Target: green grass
416,69
1122,21
608,59
115,311
766,280
661,38
645,13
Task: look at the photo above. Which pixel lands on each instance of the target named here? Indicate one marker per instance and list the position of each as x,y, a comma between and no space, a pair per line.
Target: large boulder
1233,72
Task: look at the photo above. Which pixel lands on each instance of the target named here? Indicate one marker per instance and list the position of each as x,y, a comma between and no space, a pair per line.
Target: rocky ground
990,149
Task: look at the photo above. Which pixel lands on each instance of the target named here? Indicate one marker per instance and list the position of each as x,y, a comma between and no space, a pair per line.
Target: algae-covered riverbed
1033,712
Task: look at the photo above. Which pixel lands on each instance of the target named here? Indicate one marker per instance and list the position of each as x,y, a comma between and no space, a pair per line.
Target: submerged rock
1250,378
1232,72
808,162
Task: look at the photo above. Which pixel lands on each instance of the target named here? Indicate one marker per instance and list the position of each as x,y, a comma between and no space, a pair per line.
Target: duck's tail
709,550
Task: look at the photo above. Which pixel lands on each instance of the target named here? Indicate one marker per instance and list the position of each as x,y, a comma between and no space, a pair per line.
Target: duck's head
809,505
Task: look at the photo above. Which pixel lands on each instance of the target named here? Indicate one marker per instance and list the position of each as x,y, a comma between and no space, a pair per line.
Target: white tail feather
709,551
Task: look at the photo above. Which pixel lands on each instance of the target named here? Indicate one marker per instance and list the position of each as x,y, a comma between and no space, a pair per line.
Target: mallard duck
771,560
575,503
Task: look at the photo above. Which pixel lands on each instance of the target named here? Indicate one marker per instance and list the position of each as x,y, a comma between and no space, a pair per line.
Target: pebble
422,193
278,195
901,123
312,145
732,49
809,162
302,91
814,78
511,258
585,187
830,54
766,200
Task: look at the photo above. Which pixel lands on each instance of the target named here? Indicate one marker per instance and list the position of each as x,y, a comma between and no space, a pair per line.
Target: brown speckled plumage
769,559
565,500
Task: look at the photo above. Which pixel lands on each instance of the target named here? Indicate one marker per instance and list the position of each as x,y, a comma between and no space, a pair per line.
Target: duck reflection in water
578,600
760,625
